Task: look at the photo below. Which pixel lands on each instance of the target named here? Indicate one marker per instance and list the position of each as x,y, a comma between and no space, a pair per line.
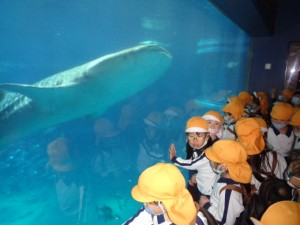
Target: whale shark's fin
35,93
31,91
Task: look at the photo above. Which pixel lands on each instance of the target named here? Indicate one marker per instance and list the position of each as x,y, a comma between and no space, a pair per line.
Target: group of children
229,159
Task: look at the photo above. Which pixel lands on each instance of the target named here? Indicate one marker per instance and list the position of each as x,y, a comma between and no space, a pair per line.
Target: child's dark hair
258,168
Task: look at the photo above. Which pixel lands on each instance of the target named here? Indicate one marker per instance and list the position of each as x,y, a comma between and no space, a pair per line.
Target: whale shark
85,90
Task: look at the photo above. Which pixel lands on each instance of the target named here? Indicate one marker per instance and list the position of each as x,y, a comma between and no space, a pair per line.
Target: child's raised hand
172,151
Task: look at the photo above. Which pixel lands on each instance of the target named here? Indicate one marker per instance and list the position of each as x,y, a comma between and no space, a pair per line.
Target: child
292,174
197,140
280,134
228,159
247,98
264,105
161,188
264,164
284,96
215,124
233,112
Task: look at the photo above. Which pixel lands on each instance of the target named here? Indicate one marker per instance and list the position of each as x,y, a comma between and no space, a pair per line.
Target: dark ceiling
255,17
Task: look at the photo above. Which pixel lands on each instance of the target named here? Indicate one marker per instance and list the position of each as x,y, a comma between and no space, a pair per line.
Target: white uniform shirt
205,175
279,169
227,131
227,205
282,143
144,218
297,143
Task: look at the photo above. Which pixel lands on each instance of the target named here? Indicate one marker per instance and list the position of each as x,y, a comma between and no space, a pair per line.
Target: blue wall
274,49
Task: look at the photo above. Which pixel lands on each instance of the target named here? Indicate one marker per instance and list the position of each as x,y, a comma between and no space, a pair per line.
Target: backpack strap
274,163
231,131
233,187
210,218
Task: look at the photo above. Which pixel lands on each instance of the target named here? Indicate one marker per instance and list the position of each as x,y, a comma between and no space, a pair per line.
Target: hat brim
196,130
241,173
177,213
210,154
212,118
140,196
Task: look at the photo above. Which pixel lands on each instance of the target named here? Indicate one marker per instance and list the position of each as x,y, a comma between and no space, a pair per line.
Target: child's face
196,139
292,179
218,168
154,208
214,125
279,124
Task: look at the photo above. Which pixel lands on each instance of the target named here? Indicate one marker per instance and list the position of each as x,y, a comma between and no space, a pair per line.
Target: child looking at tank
228,159
280,133
201,176
233,112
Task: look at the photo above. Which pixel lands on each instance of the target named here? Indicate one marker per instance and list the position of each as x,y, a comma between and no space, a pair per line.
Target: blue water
42,38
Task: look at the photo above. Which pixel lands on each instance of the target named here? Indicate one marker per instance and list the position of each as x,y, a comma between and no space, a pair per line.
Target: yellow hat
280,213
282,111
214,116
262,95
235,109
295,120
262,123
249,134
196,124
164,183
236,99
295,109
264,105
232,154
245,96
287,93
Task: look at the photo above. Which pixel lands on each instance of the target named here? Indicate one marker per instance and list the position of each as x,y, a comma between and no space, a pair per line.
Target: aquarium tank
93,92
